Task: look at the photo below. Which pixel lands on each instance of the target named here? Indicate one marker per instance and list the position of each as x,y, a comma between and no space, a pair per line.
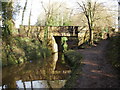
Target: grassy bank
114,51
73,59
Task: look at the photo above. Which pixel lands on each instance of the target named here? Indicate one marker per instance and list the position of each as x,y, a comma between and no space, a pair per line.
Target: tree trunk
90,32
91,36
24,11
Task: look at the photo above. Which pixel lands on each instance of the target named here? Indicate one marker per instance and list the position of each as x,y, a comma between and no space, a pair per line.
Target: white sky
37,9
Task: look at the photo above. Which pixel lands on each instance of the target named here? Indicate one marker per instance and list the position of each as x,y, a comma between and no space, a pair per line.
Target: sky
37,8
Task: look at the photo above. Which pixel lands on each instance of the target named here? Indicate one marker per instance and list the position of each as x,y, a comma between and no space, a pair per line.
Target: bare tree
29,21
89,9
24,11
55,14
118,15
96,15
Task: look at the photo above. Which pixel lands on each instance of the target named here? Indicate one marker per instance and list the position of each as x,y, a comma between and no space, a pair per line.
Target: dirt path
96,71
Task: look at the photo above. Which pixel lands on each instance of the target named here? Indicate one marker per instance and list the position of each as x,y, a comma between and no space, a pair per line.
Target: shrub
33,49
114,52
72,58
24,49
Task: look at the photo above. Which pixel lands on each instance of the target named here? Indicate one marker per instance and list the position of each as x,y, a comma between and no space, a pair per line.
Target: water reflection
36,74
38,84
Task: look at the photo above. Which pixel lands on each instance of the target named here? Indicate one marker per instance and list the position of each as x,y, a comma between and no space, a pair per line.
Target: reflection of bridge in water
30,72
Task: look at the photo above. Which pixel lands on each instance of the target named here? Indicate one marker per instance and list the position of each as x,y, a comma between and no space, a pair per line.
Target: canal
47,73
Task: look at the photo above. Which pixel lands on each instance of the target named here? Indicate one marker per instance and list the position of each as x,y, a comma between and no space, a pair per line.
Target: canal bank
95,70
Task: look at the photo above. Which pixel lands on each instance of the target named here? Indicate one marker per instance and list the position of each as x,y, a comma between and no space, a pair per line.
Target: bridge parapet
53,30
64,30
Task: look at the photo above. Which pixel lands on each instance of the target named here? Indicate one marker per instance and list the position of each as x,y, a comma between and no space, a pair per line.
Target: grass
73,59
71,81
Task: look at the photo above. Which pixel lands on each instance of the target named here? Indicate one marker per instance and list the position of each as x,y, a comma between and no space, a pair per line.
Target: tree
29,21
24,11
54,15
89,9
96,15
118,15
8,13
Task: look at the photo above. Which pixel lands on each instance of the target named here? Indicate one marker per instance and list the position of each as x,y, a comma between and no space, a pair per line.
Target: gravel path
96,71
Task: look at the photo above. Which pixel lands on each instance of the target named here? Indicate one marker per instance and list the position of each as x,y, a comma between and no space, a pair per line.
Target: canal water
47,73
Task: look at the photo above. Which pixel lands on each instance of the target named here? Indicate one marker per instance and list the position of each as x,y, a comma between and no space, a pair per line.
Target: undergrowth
114,51
73,59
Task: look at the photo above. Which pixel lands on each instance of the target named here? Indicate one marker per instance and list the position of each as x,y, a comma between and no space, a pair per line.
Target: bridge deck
53,30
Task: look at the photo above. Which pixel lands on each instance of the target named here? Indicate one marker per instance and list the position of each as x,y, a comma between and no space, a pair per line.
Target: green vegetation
17,49
64,43
73,78
7,44
33,44
25,49
114,51
73,59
